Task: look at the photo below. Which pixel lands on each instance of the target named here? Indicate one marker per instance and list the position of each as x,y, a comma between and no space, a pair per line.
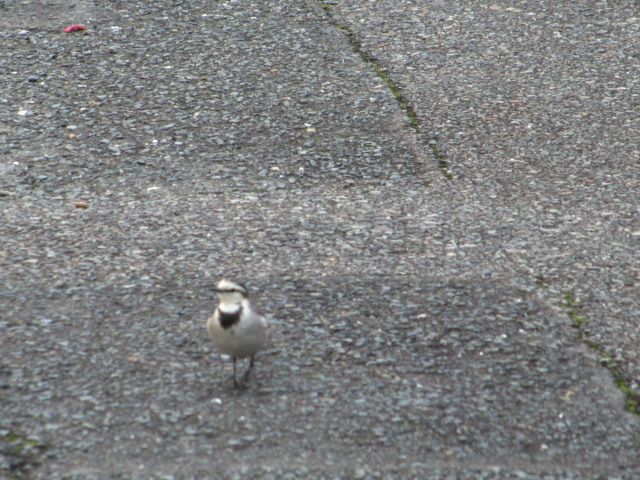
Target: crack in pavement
404,104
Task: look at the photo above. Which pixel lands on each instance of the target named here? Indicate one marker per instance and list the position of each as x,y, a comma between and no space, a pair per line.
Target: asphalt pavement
436,204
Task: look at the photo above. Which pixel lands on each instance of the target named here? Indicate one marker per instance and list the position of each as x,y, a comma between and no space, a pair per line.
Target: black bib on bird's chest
229,319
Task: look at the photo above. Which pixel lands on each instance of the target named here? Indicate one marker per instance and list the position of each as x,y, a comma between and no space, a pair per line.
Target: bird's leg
235,382
246,374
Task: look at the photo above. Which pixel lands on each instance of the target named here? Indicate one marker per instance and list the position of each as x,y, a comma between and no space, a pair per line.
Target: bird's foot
240,384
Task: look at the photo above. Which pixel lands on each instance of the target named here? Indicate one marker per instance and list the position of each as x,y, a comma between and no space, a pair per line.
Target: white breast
242,339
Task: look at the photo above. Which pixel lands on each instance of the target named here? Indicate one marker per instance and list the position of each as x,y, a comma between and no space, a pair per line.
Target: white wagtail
235,328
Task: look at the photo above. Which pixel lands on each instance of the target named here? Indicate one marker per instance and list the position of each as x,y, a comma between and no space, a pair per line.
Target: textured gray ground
417,328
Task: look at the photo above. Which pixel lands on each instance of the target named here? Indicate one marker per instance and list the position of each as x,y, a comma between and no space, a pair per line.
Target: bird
235,327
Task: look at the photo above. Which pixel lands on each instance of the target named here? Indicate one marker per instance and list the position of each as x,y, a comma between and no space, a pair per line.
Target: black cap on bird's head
229,288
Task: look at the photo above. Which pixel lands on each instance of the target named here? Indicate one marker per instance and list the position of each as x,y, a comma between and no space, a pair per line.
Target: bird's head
231,292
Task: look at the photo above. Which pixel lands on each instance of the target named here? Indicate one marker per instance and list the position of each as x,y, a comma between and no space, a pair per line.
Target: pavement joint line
580,322
569,301
384,75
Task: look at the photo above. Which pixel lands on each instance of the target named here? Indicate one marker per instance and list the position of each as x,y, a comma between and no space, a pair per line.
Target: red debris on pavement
76,27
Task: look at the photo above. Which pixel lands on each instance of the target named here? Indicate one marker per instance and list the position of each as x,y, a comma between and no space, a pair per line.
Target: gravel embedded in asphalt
416,326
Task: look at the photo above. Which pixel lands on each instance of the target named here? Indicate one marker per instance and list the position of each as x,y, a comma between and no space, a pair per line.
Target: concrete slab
416,326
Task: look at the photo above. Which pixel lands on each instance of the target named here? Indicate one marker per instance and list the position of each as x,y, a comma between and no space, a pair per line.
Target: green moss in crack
384,75
579,321
541,282
632,398
327,6
619,378
21,451
570,300
443,165
404,104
